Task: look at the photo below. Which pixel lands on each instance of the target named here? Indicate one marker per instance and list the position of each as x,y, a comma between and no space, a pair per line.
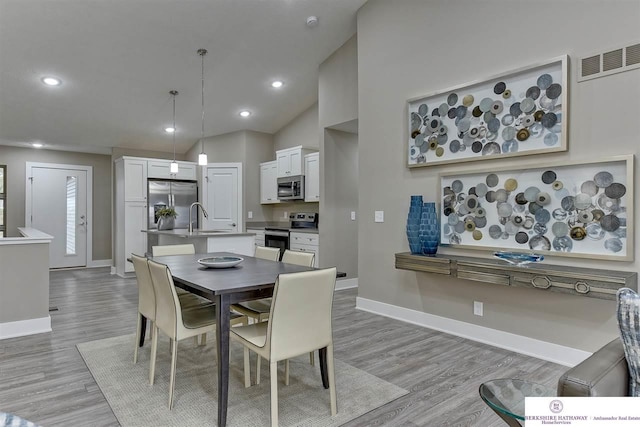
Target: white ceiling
118,59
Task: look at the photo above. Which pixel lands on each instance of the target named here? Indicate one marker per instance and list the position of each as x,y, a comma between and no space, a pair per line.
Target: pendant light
202,158
173,168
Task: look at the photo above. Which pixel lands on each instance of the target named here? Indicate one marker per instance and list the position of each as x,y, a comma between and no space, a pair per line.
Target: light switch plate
478,308
353,216
249,214
286,214
379,216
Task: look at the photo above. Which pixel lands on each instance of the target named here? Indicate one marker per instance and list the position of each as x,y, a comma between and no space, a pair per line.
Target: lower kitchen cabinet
305,242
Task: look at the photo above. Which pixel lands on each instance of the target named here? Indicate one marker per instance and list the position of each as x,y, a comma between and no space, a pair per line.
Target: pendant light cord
174,93
202,53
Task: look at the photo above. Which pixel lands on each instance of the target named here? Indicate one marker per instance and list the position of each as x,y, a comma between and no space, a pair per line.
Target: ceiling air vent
609,62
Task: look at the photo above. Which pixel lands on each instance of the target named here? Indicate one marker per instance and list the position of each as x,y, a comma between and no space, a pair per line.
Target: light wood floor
44,379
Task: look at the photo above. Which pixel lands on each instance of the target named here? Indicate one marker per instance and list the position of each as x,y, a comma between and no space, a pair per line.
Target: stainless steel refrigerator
166,193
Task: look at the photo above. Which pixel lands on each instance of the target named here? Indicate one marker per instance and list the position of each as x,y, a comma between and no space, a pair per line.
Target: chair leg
273,378
172,378
332,380
135,352
312,359
286,372
258,369
203,339
195,341
247,368
154,351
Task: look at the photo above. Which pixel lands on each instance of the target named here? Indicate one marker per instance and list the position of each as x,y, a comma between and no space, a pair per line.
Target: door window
72,195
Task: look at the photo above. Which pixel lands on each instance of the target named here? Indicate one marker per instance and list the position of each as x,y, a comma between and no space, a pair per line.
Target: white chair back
146,293
300,317
298,258
264,252
168,309
186,249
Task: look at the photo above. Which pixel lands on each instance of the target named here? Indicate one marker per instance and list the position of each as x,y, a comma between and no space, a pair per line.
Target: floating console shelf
589,282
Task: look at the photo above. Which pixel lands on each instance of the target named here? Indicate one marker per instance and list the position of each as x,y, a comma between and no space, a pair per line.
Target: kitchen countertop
293,230
183,232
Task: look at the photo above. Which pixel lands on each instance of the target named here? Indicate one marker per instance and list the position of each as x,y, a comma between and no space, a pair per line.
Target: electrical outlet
286,215
353,216
379,216
249,214
478,308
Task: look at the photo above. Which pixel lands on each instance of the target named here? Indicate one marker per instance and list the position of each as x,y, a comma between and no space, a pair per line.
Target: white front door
56,204
222,196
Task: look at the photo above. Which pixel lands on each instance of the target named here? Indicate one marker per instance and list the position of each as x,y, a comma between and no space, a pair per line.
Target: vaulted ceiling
118,60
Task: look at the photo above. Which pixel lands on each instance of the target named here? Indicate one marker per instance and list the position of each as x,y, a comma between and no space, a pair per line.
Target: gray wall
338,85
303,130
402,54
24,284
16,158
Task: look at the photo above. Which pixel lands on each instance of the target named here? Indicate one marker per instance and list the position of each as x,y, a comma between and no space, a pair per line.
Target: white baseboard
113,270
99,263
531,347
21,328
346,283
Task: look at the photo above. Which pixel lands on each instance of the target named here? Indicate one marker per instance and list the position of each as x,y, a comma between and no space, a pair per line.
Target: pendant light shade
173,167
202,157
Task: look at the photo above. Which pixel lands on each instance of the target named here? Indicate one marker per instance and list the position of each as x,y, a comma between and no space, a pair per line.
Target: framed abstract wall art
517,113
580,210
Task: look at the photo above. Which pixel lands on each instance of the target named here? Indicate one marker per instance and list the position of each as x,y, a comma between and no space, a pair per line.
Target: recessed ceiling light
37,145
51,81
245,113
169,129
277,84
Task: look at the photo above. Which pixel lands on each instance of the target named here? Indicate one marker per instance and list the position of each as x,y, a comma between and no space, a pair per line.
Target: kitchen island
205,241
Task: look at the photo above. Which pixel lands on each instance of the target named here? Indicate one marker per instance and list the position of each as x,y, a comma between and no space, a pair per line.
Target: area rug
304,402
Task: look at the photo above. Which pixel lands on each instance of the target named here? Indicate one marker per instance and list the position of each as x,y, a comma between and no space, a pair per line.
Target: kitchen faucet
204,212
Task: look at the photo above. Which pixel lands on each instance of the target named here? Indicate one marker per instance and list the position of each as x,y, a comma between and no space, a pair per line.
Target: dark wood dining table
253,278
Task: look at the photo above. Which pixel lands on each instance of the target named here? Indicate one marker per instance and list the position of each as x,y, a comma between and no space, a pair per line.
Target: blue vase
413,225
429,229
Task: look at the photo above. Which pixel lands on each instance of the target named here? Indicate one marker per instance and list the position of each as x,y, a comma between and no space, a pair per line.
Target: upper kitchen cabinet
134,179
269,182
291,161
161,169
312,177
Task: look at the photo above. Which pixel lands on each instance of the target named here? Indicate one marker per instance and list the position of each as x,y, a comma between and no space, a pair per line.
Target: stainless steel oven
277,238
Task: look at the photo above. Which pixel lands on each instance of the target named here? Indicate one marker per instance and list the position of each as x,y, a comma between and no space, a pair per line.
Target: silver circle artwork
515,113
531,211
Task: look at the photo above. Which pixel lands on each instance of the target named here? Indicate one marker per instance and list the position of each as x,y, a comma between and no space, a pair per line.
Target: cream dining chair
147,299
162,250
175,321
258,310
299,322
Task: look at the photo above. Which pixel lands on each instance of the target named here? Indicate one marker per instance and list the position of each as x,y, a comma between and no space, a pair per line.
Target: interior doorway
222,197
58,202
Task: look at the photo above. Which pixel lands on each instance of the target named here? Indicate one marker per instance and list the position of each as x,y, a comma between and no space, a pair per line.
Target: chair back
146,293
263,252
168,309
300,317
186,249
298,258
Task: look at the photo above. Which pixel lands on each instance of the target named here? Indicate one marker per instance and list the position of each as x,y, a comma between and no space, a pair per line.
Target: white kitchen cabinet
134,175
291,161
269,182
130,211
312,177
159,168
259,235
305,242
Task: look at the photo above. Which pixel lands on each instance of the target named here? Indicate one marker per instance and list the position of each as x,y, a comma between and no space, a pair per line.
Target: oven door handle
276,233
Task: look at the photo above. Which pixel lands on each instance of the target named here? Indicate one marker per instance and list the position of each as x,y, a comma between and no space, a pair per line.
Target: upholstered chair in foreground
299,322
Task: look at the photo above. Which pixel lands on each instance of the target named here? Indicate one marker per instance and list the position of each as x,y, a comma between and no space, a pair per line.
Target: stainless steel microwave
291,188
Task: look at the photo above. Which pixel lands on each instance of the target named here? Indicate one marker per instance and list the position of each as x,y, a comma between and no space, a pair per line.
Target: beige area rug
303,403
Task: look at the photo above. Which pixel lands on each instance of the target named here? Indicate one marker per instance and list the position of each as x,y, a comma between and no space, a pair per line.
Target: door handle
233,224
82,223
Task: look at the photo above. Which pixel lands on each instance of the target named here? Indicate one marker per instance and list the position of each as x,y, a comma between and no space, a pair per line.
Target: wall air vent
610,62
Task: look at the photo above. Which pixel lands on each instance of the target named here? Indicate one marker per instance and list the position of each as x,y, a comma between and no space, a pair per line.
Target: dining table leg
143,330
322,356
223,314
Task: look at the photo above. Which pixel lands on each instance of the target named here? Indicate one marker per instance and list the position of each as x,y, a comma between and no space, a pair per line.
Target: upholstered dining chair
162,250
175,321
258,310
299,322
147,299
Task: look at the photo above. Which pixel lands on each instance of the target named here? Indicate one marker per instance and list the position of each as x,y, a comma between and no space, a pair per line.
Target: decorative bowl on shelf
518,259
220,261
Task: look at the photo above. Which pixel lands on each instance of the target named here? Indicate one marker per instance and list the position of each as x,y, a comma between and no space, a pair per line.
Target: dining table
253,278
